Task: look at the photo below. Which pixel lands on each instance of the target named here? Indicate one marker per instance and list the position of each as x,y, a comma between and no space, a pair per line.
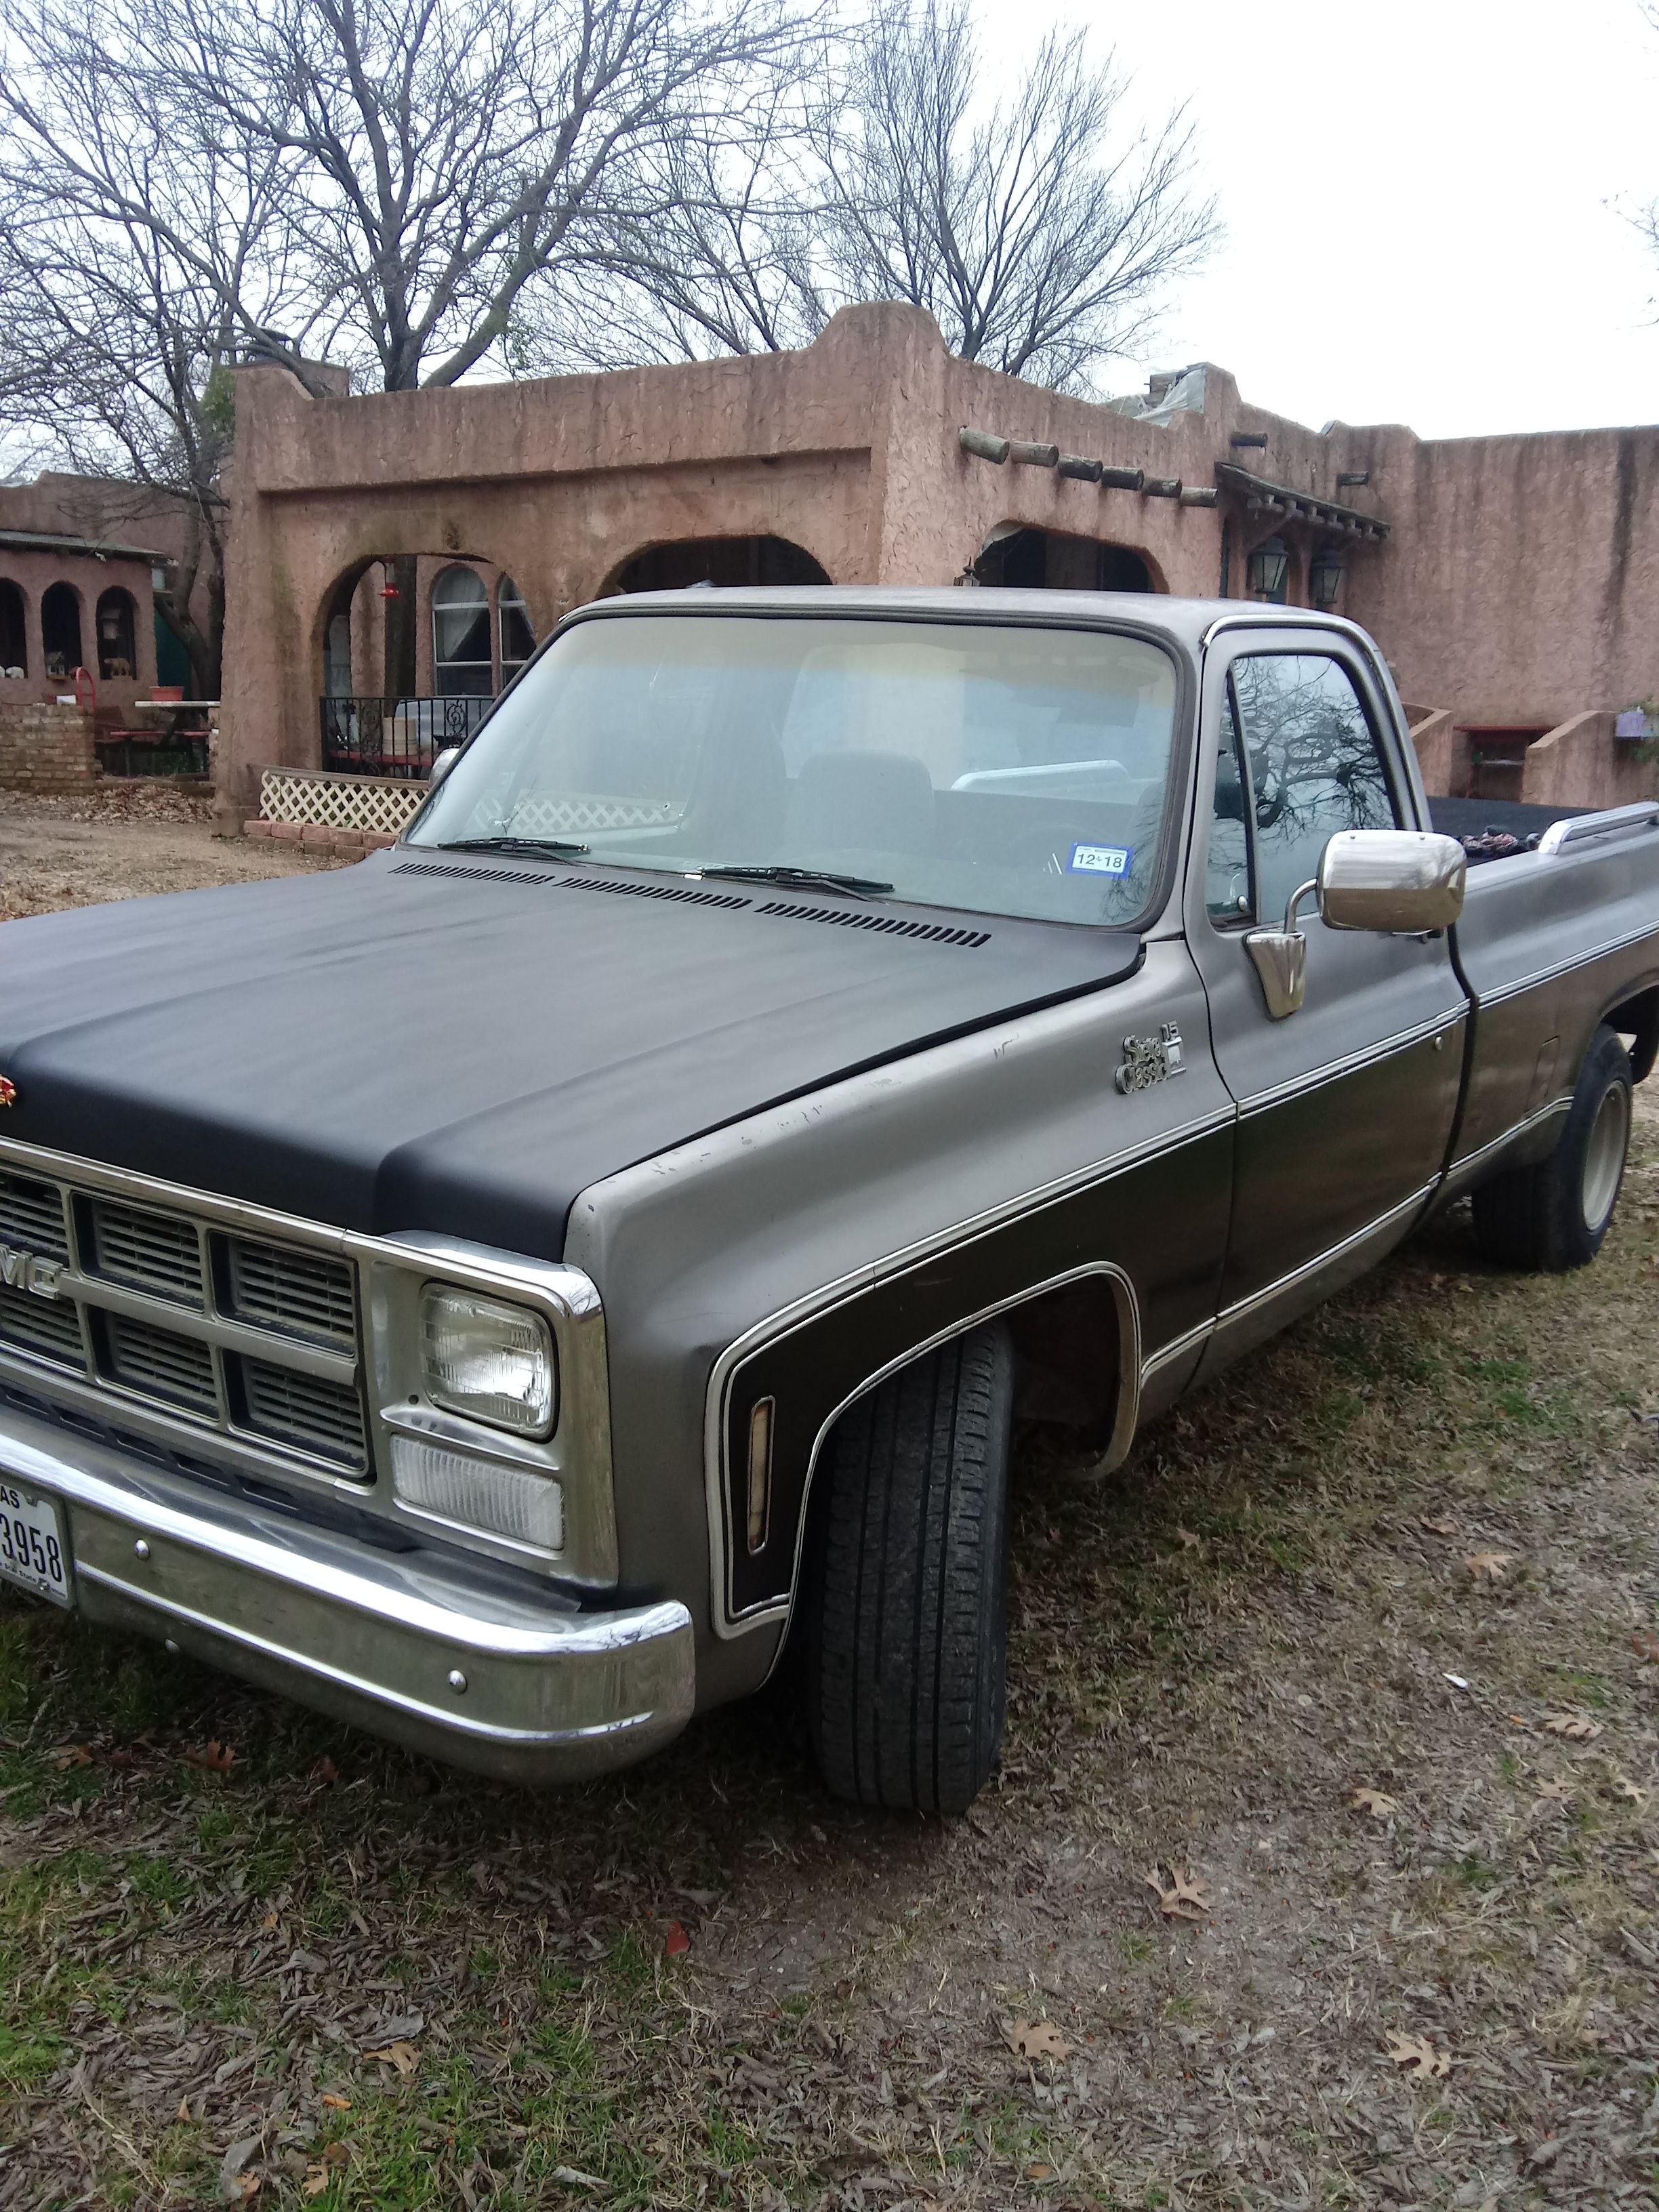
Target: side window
1227,879
1314,766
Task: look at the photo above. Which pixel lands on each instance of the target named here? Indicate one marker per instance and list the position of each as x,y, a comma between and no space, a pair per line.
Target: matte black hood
462,1048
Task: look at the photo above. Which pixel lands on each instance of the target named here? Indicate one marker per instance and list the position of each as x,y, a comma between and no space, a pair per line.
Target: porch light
389,592
1268,571
1325,576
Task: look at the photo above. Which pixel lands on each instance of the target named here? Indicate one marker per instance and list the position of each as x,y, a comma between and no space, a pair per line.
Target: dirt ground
128,838
1321,1869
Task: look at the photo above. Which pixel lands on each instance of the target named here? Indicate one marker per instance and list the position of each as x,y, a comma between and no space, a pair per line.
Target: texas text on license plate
32,1548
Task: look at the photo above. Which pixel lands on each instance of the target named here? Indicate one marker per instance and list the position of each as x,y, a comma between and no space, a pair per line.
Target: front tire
906,1583
1553,1215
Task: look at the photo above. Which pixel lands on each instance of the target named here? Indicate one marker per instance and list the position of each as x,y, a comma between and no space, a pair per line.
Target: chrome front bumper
447,1654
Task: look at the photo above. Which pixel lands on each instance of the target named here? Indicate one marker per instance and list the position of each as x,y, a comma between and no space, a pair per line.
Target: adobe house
395,556
76,591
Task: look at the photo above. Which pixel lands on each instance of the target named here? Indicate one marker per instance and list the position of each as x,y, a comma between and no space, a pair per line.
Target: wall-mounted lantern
1267,572
1325,577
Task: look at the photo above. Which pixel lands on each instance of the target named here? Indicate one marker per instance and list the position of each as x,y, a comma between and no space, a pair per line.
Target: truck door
1346,1106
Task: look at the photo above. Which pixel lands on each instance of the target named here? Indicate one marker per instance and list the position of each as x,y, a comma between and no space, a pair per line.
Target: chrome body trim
1351,1063
1591,829
389,1272
1462,1171
378,1636
848,1286
1559,968
1123,1425
1298,1278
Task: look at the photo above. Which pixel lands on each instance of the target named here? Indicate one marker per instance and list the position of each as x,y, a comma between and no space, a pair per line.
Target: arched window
117,628
1053,560
724,561
518,639
461,663
14,649
60,629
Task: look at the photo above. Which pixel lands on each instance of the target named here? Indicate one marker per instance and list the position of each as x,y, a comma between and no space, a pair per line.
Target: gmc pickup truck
512,1292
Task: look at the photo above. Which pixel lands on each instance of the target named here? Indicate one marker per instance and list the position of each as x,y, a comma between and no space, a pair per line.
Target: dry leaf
1189,1541
1624,1787
217,1757
72,1754
1558,1792
1646,1647
272,1920
1418,2056
1376,1802
1573,1726
325,1770
1489,1564
183,2113
405,2056
1039,2169
1038,2038
317,2178
1184,1900
676,1941
250,2184
1437,1528
333,2103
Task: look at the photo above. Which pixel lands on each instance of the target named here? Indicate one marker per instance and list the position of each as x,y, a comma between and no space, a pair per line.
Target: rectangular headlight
491,1361
515,1502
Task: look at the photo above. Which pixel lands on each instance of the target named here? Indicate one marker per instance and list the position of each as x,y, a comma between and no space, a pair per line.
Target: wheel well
1077,1353
1639,1018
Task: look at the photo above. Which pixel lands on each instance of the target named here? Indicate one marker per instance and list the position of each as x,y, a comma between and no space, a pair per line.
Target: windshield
962,764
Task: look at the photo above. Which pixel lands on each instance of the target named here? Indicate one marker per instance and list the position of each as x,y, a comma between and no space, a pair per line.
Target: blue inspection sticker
1100,859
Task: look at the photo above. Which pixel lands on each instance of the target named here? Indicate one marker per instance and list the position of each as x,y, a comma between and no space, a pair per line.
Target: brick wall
45,748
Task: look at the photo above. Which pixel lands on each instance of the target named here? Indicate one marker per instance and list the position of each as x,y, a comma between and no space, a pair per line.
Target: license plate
33,1552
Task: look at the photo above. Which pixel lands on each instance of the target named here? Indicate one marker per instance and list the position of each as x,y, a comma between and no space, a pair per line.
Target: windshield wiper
561,848
803,879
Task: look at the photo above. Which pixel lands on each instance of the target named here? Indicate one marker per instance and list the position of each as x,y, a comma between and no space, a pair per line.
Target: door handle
1280,958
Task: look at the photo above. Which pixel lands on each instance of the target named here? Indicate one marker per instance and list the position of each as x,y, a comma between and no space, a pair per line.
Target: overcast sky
1420,199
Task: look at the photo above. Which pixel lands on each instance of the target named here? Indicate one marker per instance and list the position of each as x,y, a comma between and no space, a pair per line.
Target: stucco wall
1522,583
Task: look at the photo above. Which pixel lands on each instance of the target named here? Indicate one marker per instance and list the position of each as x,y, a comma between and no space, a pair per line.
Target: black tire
1553,1216
907,1576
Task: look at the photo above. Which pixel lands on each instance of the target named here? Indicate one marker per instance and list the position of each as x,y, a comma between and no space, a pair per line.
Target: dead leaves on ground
214,1758
1489,1566
1039,2039
1419,2057
1573,1726
332,2157
405,2056
1646,1645
1184,1898
1376,1802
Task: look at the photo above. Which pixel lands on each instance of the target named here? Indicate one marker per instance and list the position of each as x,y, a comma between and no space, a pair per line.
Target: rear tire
906,1583
1553,1215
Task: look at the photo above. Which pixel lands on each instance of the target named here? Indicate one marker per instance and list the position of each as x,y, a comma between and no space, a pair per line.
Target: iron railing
395,737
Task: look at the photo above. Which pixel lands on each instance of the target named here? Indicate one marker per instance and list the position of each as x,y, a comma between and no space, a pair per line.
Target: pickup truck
533,1284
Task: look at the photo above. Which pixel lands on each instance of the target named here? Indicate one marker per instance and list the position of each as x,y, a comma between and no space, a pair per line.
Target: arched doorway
118,632
725,560
13,630
1023,558
462,667
60,628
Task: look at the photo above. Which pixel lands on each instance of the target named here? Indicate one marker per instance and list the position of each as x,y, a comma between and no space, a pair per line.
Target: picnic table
177,737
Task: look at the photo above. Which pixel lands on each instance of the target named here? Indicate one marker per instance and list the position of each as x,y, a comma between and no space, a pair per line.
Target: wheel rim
1604,1156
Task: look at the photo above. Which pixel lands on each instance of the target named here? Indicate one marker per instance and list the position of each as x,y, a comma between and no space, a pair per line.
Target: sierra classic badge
7,1092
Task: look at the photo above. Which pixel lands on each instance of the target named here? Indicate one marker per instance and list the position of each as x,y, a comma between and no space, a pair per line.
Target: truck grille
150,1304
153,1252
325,1414
280,1287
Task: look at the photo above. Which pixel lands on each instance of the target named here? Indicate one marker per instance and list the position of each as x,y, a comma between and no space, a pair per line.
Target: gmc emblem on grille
25,1273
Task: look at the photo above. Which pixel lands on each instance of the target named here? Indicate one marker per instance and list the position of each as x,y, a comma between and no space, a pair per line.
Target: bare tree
1044,231
186,184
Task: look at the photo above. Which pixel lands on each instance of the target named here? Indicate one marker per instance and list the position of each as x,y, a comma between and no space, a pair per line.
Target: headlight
491,1361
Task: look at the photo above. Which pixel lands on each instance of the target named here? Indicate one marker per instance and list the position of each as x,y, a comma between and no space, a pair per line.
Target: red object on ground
676,1940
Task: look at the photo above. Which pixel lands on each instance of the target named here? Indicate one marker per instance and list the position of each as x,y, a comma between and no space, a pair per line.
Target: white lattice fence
337,802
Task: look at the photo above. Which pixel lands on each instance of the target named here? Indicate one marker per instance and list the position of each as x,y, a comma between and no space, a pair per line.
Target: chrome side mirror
1403,883
441,765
